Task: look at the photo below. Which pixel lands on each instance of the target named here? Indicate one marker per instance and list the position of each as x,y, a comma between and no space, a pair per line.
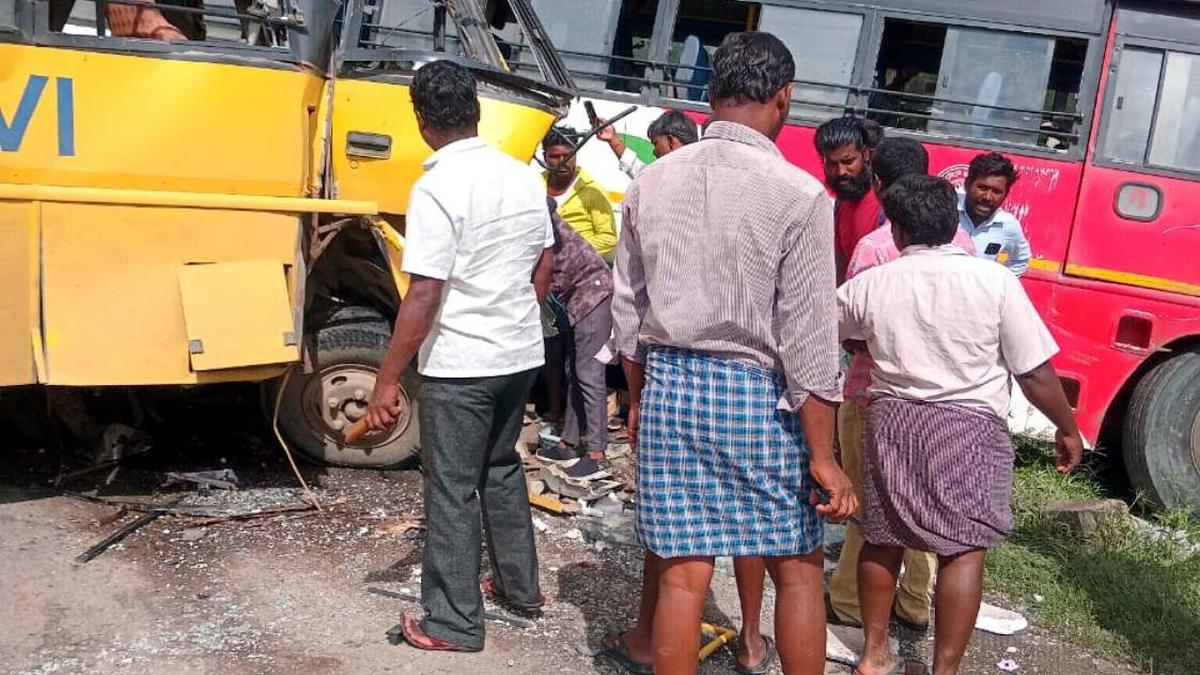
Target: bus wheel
1162,434
317,408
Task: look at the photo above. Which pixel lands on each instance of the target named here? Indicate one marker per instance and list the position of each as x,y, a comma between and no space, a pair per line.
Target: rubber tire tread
1157,434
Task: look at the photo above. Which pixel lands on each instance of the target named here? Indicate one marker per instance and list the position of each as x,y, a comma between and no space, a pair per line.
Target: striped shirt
727,249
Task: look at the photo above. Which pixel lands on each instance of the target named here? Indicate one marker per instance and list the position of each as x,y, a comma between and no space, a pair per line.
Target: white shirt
944,326
630,163
478,220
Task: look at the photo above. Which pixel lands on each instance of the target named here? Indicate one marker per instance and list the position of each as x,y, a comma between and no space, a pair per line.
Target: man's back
478,219
726,228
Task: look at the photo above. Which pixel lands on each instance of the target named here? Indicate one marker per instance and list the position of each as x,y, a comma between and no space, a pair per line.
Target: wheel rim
337,396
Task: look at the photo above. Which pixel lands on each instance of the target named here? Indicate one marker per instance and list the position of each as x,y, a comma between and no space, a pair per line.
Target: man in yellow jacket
580,199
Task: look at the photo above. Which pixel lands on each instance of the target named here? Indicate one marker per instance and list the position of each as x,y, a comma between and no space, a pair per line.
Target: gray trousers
586,416
469,430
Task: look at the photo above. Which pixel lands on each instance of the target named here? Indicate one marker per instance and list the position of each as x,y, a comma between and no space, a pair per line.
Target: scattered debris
999,621
560,483
1008,666
574,533
400,526
837,651
126,530
224,479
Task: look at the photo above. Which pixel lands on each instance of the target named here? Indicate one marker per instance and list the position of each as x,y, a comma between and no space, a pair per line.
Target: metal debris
224,479
137,524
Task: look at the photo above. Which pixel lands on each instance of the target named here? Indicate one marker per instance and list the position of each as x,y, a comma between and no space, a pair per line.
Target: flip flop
613,648
410,628
763,666
532,610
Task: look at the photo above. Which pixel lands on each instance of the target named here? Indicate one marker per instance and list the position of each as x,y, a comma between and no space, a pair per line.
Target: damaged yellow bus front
232,208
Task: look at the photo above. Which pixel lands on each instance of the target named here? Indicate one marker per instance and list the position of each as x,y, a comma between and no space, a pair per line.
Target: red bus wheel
1162,434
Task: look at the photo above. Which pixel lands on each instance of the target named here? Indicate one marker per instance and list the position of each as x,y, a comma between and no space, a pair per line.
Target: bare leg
682,589
750,574
639,639
799,612
959,592
878,567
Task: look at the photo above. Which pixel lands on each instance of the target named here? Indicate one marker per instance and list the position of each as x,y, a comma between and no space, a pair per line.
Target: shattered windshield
504,34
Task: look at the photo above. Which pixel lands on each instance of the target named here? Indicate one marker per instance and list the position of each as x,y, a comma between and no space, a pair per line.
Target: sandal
763,666
532,610
410,628
613,647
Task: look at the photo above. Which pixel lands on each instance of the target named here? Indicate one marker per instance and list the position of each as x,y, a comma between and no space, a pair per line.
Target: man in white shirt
478,242
671,131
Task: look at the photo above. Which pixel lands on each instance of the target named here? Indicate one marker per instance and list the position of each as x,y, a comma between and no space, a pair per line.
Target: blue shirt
999,238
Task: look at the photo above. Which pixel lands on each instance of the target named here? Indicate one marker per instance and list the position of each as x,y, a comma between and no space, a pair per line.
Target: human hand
1069,449
843,503
383,410
607,133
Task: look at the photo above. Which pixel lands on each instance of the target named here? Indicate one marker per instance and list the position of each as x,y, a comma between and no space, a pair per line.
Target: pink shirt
873,250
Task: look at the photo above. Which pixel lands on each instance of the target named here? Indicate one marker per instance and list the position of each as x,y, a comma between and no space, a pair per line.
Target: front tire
1162,434
317,408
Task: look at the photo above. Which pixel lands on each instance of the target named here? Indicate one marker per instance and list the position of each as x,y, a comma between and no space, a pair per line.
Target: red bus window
1138,201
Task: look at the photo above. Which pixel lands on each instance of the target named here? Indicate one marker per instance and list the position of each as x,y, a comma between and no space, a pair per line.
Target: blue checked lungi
721,471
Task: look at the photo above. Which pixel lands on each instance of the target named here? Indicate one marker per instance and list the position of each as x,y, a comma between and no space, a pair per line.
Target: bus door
376,149
1138,219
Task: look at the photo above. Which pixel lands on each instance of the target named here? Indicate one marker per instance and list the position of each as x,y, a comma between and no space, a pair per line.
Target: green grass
1126,596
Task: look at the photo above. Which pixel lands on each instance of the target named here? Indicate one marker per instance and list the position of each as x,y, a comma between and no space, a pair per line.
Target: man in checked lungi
725,319
945,330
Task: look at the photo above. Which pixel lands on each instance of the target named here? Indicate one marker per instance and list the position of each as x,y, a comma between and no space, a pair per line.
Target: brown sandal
532,610
410,627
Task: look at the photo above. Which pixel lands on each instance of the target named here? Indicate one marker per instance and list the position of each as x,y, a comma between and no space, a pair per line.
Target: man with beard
845,146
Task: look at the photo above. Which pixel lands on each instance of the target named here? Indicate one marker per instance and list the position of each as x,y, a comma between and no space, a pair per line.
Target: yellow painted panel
386,108
113,309
237,314
18,292
142,122
1131,279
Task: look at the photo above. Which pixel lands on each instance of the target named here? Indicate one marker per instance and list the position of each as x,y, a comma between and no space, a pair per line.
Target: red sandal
531,610
415,636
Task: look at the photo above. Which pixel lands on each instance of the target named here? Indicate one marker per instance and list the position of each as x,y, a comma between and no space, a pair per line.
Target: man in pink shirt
894,158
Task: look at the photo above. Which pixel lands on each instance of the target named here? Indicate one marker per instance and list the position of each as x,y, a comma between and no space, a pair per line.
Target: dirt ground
294,593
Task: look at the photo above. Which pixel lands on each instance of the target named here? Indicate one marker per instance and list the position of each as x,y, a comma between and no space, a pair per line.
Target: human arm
609,135
635,377
1027,346
603,236
413,323
1021,252
542,274
807,317
1044,390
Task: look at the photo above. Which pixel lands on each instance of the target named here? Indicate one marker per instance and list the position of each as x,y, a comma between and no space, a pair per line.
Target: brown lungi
937,477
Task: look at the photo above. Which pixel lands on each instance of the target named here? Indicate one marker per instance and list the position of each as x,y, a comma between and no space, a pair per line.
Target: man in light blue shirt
997,233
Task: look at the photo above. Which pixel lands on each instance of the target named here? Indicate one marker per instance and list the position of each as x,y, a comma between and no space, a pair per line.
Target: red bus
1096,101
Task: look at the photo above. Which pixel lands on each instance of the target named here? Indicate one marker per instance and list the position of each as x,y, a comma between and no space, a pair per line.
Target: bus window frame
859,89
213,52
1089,82
1101,157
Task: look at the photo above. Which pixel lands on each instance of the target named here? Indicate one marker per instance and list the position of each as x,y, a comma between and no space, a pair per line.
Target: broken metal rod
487,614
142,521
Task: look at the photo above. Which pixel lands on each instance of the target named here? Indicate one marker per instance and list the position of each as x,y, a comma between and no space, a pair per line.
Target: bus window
824,45
699,28
1176,142
407,24
584,34
1133,105
975,83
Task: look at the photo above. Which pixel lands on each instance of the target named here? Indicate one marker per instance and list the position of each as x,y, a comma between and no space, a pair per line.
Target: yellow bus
195,194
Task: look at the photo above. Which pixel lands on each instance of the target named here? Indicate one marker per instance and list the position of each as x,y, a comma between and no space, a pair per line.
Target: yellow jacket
588,211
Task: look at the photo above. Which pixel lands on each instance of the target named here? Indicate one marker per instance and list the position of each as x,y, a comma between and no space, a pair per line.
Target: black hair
443,93
842,131
874,131
674,124
750,67
898,156
992,164
559,136
924,208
